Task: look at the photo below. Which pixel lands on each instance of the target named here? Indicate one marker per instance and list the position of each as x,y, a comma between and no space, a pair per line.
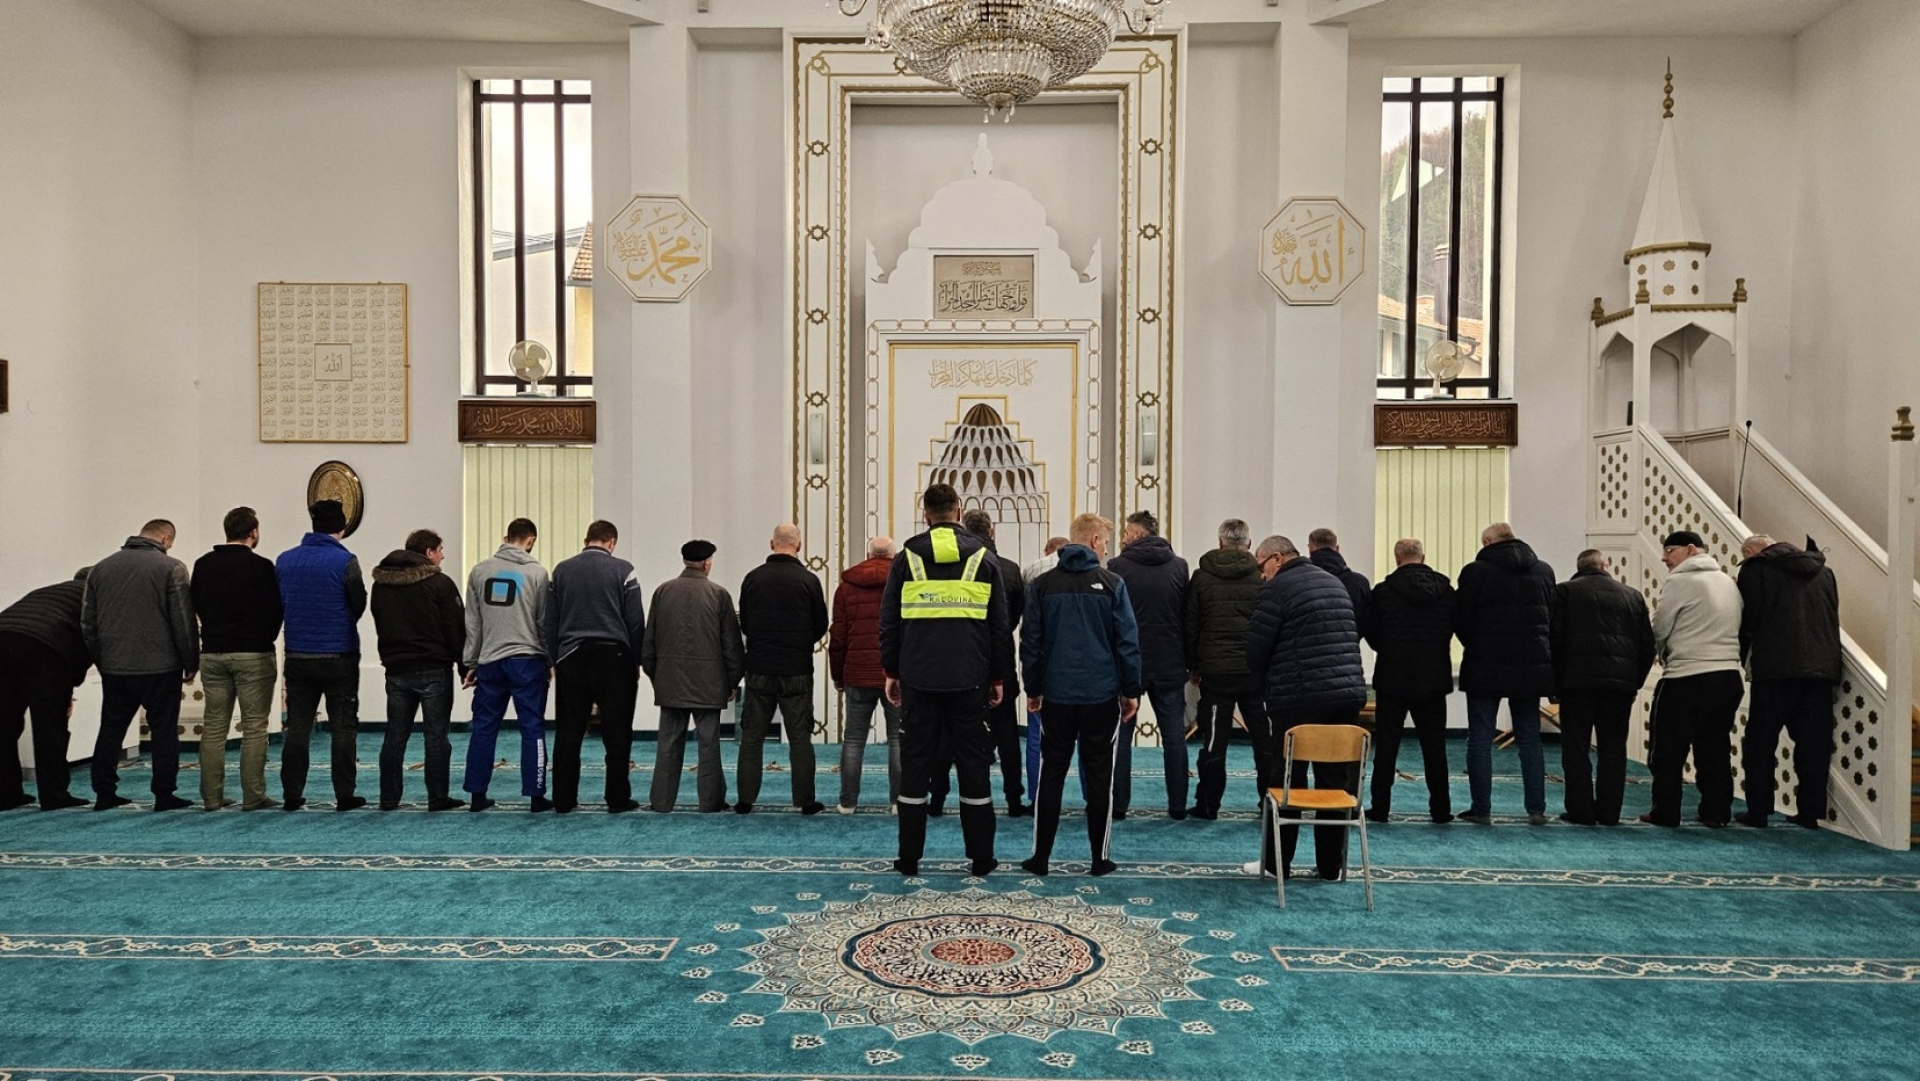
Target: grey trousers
246,679
711,782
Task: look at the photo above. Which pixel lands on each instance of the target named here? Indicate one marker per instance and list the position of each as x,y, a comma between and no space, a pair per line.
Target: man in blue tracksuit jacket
1080,648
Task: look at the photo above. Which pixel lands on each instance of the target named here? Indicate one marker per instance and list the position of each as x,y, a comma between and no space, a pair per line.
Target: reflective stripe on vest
961,598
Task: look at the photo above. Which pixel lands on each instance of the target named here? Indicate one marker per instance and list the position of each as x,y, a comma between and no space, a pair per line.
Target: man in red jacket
853,656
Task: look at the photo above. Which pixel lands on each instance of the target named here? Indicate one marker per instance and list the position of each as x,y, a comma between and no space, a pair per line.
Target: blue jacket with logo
324,595
1079,641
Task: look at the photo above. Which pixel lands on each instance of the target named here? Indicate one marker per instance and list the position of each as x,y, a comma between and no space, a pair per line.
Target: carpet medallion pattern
974,964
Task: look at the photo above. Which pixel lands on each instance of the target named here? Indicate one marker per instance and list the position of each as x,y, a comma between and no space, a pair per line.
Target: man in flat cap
1696,637
695,656
324,595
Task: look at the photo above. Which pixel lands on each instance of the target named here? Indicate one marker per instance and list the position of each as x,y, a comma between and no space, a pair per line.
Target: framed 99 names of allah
333,362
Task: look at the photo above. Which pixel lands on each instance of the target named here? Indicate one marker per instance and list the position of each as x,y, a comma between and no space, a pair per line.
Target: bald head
161,530
1754,545
880,548
1408,550
1495,533
786,539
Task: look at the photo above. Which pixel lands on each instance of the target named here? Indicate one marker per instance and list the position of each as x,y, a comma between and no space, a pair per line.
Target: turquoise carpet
505,945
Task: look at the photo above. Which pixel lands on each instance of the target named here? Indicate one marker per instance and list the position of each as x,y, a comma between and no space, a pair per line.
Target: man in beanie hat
1696,636
508,655
324,596
695,656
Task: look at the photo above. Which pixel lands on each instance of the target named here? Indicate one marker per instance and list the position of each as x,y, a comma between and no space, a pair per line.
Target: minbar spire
1669,248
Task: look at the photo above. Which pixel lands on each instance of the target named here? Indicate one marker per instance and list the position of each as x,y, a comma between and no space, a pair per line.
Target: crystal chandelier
1000,53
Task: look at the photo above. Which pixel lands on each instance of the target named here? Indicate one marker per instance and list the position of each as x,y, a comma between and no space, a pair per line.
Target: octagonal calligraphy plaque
658,247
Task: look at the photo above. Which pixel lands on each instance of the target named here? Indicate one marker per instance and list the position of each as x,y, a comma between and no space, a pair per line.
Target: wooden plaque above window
1446,424
527,420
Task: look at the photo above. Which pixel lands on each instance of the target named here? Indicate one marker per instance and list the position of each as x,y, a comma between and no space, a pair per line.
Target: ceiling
608,20
1578,18
418,20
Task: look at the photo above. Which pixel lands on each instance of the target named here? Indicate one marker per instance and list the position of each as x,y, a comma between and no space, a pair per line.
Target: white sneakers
844,809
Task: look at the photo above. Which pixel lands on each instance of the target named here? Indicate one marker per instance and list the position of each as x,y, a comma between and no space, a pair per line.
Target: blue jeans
853,743
428,693
1482,717
1170,715
524,679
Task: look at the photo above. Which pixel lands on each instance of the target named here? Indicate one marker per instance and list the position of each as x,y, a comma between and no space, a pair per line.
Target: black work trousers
1804,707
33,683
1214,730
308,679
1599,719
1694,714
159,695
604,674
1390,712
933,725
1004,722
1329,842
1094,729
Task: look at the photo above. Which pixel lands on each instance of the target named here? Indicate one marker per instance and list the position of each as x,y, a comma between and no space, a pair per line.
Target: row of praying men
585,630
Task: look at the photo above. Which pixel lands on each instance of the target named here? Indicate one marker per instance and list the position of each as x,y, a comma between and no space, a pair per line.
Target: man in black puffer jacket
1323,550
1790,639
42,659
422,629
1409,624
1501,615
1302,636
1157,585
1602,640
783,613
1219,599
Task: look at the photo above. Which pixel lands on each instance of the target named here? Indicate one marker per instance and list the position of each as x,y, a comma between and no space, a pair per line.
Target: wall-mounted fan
1444,363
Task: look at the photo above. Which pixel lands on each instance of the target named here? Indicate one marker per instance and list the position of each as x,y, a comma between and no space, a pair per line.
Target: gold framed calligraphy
1446,424
1312,250
572,421
989,286
332,362
659,247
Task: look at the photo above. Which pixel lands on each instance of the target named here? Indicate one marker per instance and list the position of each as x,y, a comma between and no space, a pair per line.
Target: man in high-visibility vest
943,634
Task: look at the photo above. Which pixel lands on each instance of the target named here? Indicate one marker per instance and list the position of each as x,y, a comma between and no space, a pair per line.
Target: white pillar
660,467
1309,364
1901,520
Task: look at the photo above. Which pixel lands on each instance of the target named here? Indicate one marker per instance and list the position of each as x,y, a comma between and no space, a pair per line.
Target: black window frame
562,378
1455,98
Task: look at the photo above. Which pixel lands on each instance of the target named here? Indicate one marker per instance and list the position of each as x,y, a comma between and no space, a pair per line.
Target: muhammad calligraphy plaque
658,247
333,362
570,421
1312,250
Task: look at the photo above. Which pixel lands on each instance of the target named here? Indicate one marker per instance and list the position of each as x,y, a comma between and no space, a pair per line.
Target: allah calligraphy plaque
1312,250
333,362
1446,424
658,247
984,286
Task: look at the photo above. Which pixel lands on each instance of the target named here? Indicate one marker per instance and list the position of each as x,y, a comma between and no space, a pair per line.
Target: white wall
96,285
1584,118
1852,251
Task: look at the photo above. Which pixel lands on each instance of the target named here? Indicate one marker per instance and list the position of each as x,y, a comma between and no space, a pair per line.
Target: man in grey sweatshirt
507,656
1696,636
137,619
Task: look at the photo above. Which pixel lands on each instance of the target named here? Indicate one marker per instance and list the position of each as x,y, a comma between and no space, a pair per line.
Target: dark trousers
793,695
1170,718
602,674
159,695
1694,714
933,725
1094,729
1214,729
1599,718
428,693
1390,713
1804,707
308,679
1329,842
523,680
1003,721
33,682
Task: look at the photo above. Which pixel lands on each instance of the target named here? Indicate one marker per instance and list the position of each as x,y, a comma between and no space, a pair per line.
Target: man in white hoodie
507,656
1696,636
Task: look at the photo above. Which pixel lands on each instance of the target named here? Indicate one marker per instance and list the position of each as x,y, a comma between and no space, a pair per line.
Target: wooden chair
1287,806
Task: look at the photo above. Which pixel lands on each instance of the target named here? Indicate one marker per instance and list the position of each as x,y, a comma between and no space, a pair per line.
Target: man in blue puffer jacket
1303,637
324,595
1080,648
